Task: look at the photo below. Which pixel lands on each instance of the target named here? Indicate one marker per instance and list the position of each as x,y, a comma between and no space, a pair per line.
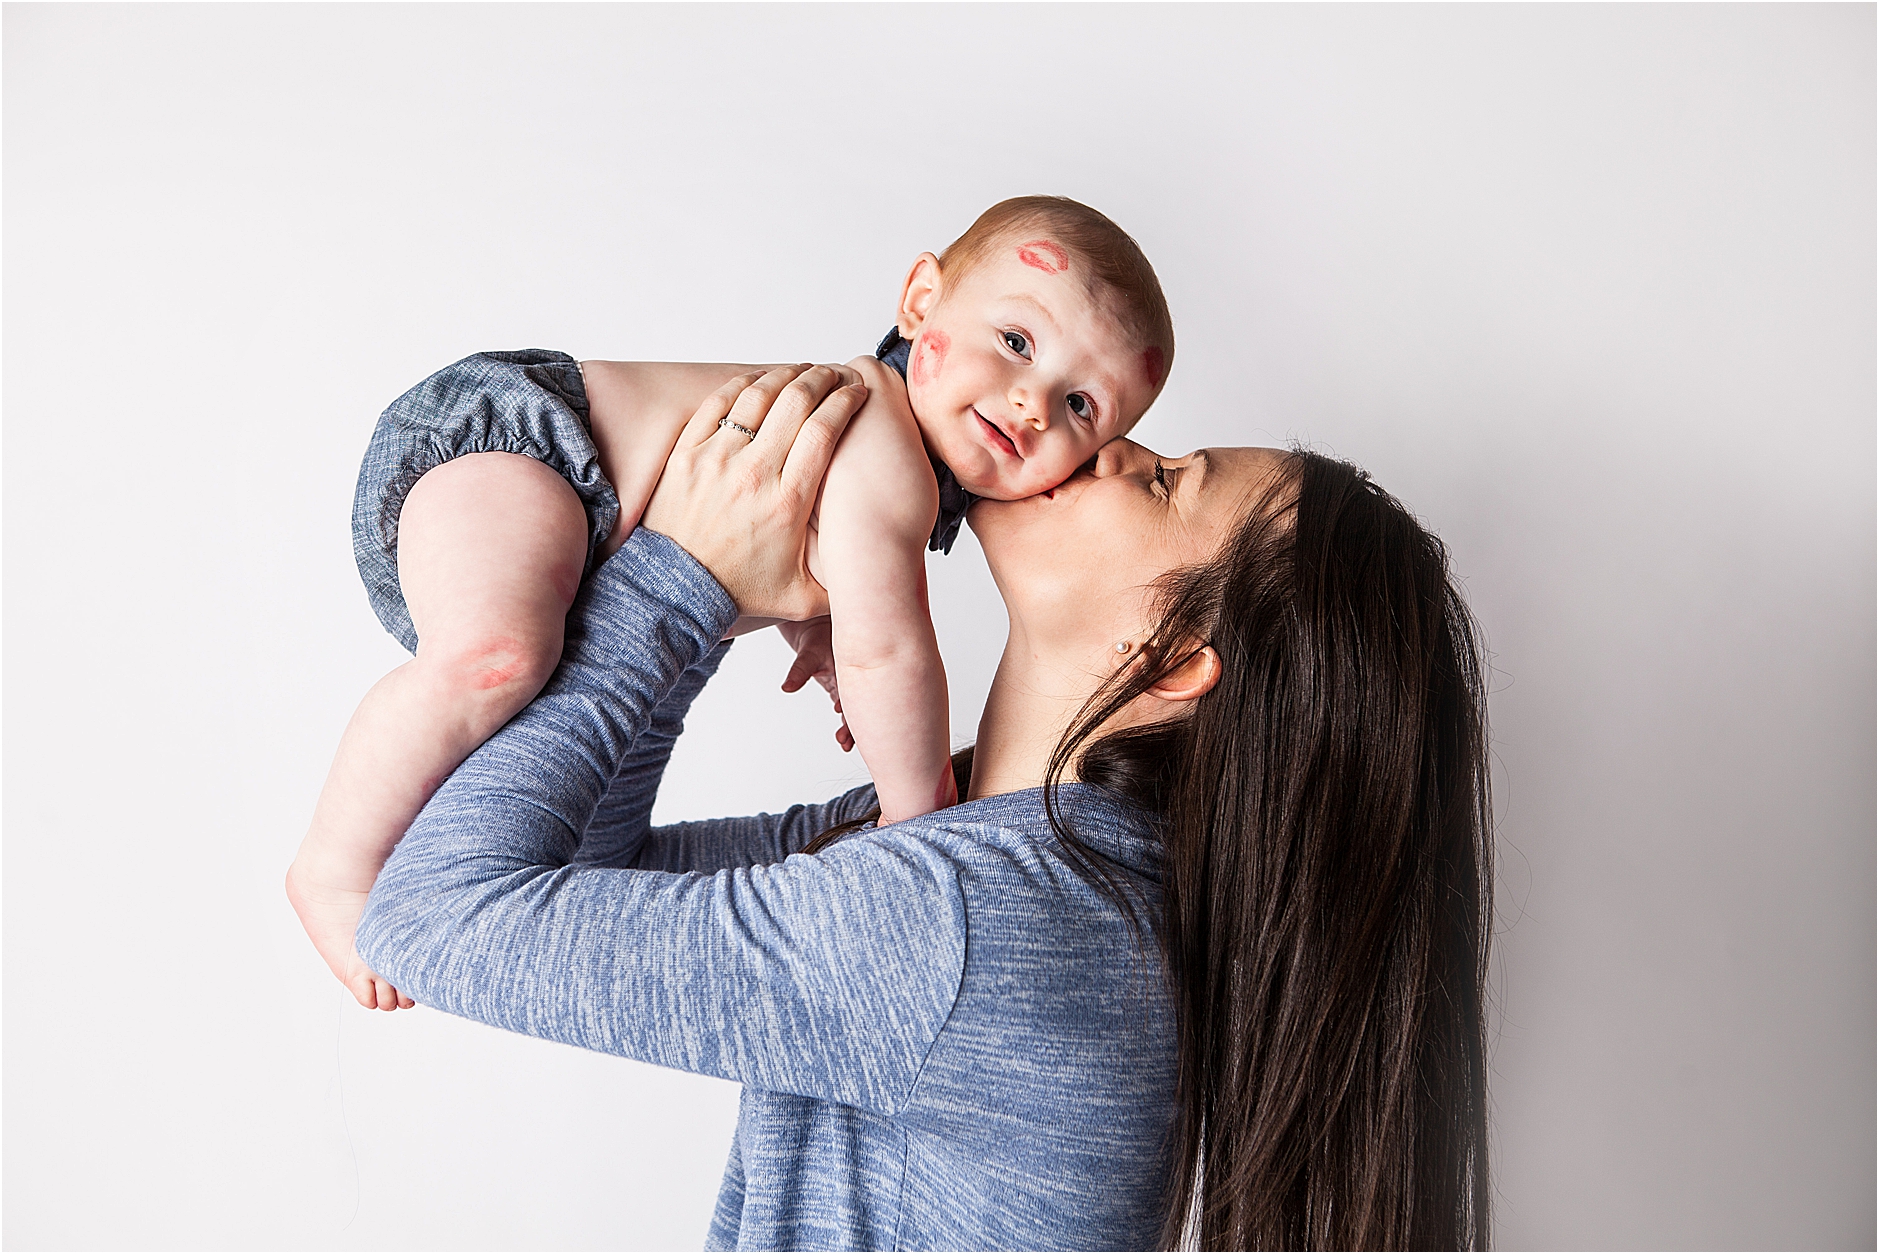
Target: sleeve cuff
654,571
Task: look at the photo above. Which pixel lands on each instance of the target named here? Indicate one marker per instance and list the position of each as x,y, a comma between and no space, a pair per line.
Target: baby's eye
1082,406
1016,342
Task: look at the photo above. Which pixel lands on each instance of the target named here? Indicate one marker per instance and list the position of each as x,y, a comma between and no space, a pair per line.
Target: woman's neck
1033,698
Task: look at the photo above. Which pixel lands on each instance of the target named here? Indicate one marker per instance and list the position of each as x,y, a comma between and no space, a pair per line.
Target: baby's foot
331,916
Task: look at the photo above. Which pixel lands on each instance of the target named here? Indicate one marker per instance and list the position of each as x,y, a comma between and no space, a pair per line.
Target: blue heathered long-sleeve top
946,1037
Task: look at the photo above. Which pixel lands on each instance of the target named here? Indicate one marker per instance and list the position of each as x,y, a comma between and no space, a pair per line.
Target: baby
492,488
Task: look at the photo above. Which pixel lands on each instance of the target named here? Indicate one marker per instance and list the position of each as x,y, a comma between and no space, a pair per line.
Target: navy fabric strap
954,500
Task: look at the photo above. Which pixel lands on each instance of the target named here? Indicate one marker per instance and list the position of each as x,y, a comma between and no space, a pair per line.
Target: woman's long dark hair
1328,876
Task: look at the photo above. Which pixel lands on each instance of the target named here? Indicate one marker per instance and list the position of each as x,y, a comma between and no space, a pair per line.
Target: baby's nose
1032,408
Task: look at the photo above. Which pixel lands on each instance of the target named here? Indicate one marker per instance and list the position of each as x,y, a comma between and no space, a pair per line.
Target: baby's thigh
491,542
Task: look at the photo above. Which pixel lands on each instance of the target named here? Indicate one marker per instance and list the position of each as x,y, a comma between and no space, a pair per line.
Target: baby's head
1038,336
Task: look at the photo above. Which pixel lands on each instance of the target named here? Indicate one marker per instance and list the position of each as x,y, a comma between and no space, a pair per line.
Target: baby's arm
877,509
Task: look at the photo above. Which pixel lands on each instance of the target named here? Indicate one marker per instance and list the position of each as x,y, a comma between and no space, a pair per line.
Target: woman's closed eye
1167,479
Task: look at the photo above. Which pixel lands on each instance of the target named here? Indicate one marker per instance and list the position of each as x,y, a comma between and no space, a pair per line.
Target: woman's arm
715,844
828,977
621,834
622,824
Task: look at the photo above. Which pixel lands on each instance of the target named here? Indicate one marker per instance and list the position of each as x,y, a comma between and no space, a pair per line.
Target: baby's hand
331,915
815,659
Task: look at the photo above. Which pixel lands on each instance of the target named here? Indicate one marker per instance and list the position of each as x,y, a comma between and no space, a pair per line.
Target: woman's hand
740,485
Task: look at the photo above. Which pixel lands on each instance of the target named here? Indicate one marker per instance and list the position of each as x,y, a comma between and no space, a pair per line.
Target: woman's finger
793,406
758,398
704,423
814,441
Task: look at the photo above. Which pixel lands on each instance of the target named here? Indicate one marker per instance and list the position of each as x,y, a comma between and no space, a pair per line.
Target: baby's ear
919,294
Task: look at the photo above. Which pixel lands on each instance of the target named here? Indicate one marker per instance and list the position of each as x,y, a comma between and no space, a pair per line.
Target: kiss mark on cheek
1041,254
929,355
1154,364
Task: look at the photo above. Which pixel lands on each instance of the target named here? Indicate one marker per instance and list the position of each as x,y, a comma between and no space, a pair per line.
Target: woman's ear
1194,678
919,294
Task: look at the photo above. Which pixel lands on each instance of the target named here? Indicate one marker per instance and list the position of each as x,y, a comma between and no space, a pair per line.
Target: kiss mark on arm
947,794
1041,254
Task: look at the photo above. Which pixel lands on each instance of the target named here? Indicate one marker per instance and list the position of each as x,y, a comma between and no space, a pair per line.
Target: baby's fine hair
1114,261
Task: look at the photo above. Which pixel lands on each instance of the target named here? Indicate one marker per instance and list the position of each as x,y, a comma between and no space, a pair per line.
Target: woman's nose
1119,457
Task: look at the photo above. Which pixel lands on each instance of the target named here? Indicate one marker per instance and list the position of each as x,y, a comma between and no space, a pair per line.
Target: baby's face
1019,374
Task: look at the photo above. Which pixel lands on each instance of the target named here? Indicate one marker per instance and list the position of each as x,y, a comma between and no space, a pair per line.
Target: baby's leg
490,550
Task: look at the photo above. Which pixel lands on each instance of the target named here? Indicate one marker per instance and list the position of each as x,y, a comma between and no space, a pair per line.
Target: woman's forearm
617,834
520,803
620,834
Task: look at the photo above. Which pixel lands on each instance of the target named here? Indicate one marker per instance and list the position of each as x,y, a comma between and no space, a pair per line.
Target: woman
1221,984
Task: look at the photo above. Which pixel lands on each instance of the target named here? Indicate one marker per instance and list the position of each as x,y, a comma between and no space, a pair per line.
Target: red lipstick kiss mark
501,661
947,794
1154,362
1041,254
929,357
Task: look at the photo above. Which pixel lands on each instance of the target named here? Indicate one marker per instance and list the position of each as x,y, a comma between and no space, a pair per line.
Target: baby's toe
364,991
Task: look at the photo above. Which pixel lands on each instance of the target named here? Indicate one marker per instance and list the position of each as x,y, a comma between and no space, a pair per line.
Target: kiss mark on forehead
1041,254
929,354
1154,363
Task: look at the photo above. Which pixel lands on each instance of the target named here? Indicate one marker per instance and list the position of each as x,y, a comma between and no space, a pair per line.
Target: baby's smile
996,435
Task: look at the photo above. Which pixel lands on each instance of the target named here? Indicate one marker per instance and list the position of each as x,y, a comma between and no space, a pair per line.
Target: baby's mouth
998,437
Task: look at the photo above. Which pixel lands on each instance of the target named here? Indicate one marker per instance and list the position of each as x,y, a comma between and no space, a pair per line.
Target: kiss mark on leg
928,356
494,662
1041,254
1154,362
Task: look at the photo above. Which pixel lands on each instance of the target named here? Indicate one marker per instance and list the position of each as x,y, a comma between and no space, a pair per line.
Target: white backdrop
1591,288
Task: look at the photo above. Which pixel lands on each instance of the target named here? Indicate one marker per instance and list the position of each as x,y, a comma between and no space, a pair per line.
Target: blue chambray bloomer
531,401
